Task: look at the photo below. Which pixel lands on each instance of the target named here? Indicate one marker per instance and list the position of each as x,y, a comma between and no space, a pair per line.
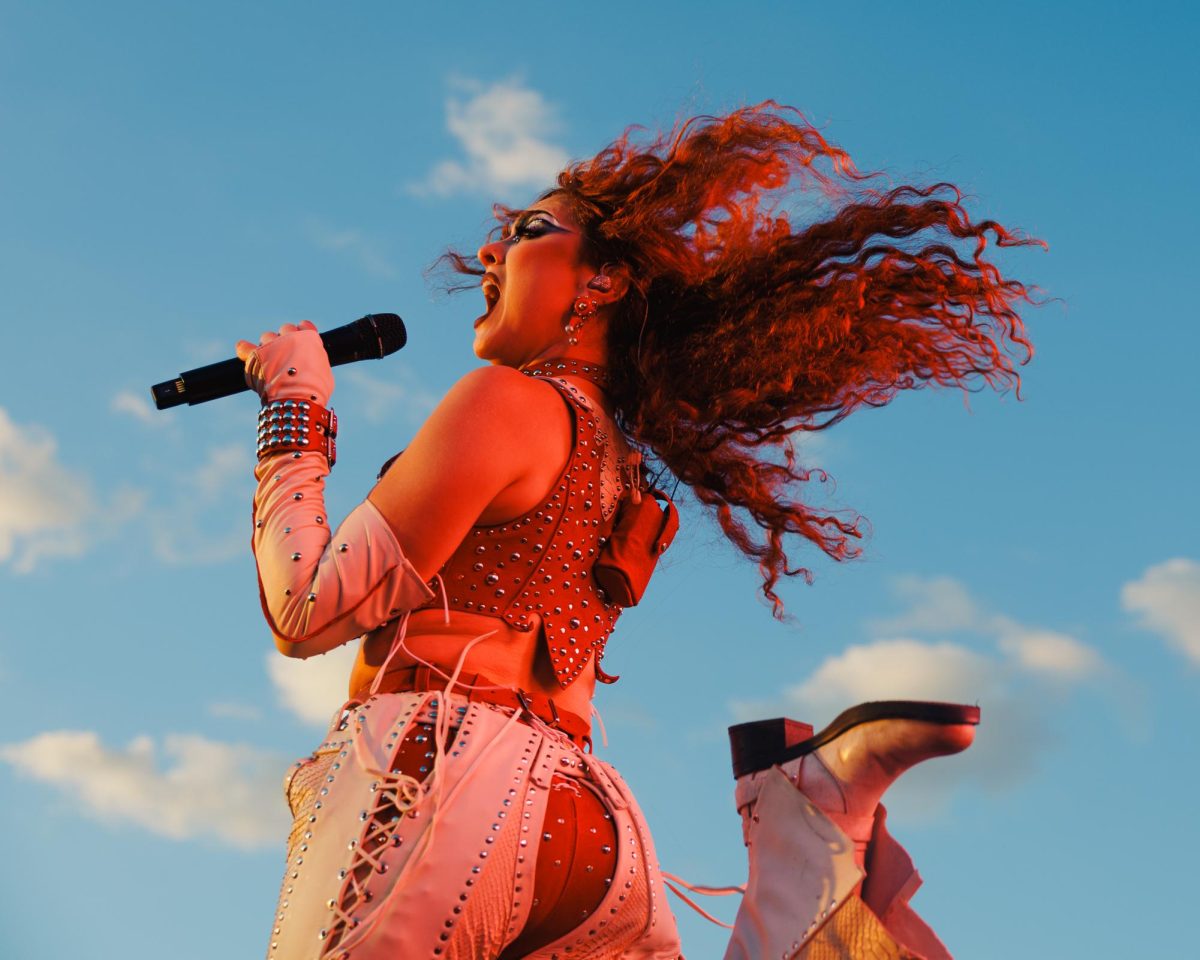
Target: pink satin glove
290,364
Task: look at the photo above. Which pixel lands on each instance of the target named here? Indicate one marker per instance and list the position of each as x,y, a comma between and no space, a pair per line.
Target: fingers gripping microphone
370,338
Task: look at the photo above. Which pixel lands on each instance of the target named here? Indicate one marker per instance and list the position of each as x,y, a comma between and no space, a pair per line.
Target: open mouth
491,293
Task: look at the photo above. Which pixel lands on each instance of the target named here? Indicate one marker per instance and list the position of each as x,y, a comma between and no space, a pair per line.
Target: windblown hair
741,329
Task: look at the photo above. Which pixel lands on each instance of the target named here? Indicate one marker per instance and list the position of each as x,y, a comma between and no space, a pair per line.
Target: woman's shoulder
504,393
497,384
497,405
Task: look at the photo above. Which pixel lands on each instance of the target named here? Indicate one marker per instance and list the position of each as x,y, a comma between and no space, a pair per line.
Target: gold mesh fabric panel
620,921
483,927
853,933
303,791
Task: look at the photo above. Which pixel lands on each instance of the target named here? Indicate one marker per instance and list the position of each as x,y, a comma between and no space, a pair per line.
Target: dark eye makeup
531,225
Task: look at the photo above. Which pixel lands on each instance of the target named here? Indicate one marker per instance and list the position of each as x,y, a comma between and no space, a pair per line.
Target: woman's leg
395,860
814,830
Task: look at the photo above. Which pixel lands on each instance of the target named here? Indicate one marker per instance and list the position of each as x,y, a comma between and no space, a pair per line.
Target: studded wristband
286,426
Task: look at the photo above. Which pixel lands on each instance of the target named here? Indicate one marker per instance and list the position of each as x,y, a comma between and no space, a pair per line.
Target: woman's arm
491,434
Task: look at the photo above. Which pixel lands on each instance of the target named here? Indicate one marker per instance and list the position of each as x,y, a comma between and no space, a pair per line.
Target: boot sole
762,744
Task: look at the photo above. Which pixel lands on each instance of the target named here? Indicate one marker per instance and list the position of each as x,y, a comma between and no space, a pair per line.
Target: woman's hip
442,830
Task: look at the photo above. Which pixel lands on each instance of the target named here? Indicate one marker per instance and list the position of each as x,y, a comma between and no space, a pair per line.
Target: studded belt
478,688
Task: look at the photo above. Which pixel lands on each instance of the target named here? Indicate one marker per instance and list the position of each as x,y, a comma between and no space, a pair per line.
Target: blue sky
174,177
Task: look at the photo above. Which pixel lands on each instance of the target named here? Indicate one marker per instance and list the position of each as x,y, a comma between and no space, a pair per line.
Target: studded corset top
540,564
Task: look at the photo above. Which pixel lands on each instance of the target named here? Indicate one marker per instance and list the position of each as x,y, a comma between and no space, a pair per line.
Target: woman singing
651,307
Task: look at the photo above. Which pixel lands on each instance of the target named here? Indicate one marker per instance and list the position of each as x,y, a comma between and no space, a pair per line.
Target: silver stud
295,556
343,547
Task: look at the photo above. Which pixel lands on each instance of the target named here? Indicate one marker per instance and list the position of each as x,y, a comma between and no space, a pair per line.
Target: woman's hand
290,364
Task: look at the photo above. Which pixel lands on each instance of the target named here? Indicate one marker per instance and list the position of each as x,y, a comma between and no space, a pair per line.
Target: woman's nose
491,253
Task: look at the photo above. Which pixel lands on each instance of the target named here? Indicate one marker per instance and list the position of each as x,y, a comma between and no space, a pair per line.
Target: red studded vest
540,564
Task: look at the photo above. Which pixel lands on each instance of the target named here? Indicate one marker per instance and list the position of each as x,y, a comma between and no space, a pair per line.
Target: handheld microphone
369,338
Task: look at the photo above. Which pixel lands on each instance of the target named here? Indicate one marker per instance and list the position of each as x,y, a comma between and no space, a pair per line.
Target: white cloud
47,510
226,710
1167,599
1048,652
312,689
138,407
1008,683
504,130
940,605
355,244
898,669
206,788
400,393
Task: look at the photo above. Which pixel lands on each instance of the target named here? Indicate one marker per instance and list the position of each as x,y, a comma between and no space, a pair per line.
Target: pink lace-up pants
381,867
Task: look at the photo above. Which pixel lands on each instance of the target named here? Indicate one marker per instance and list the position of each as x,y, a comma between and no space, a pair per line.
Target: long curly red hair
741,329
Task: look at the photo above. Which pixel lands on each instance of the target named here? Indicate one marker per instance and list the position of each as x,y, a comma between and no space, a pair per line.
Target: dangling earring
583,310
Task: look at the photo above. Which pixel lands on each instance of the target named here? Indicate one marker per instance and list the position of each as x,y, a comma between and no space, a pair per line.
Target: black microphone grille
388,330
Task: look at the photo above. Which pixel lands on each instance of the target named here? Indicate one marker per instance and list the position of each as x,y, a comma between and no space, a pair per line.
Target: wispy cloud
354,244
505,131
401,394
935,605
181,532
46,509
137,406
204,789
226,710
1166,599
312,689
943,605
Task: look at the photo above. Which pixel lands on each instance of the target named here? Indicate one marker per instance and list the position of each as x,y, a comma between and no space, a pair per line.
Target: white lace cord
396,795
669,879
442,721
600,723
433,668
397,645
427,794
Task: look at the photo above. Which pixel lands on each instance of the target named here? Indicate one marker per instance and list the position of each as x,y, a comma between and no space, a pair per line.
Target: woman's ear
609,284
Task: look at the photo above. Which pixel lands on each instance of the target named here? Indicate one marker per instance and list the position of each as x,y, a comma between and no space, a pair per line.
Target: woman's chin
481,346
